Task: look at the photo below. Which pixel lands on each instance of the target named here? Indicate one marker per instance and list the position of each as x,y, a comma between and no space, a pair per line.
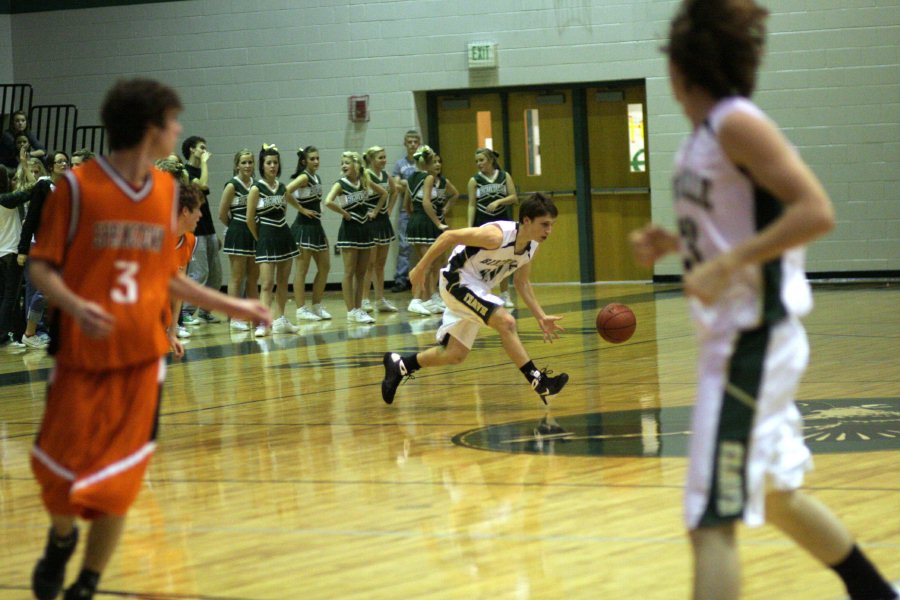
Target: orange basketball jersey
184,250
114,246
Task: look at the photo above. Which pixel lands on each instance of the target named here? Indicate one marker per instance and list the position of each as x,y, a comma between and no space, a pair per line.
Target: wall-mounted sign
482,55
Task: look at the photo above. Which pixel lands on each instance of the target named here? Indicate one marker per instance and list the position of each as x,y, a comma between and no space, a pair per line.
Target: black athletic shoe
394,374
78,592
50,571
547,387
401,286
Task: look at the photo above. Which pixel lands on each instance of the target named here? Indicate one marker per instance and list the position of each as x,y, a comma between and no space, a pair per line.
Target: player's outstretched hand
650,243
550,327
93,320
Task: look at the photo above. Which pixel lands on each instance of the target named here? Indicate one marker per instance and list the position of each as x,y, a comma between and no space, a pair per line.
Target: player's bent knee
507,324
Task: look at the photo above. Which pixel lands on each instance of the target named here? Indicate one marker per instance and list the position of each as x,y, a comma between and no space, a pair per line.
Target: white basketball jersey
719,206
482,268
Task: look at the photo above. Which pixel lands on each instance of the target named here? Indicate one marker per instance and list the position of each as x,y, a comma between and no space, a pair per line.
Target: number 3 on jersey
689,232
125,290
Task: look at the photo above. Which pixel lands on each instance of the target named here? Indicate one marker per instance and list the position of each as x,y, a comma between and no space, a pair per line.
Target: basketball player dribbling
481,257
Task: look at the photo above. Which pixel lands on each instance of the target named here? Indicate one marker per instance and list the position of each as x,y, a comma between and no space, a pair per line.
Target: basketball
616,323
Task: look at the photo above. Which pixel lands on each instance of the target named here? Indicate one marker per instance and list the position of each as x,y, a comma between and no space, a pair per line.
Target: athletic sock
84,587
861,578
531,372
412,362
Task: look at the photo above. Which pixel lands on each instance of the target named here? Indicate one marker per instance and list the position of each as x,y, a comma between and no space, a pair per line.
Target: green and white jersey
416,183
353,199
718,207
417,191
481,268
381,180
439,196
310,197
271,207
489,189
238,208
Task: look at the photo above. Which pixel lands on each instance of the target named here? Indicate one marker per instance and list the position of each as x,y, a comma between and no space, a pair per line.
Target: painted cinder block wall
280,71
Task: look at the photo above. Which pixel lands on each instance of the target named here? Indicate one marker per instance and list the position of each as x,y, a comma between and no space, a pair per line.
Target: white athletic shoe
351,315
418,307
384,305
364,318
182,333
304,313
238,325
437,301
434,307
319,309
367,305
430,307
34,341
507,301
261,331
282,325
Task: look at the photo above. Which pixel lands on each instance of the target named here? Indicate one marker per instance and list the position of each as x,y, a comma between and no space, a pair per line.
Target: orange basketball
616,323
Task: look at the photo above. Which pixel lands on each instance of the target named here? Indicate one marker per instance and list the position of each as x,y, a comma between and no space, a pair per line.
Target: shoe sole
546,397
388,398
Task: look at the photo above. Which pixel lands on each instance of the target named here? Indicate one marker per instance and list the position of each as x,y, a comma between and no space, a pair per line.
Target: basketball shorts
747,431
469,308
96,438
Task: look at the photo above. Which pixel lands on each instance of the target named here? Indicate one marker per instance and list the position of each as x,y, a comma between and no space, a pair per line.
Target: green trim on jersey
728,492
767,209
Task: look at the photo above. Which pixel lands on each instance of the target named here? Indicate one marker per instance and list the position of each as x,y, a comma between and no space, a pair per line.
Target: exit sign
482,55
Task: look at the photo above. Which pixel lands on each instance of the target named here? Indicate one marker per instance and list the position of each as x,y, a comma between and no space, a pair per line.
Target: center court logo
830,426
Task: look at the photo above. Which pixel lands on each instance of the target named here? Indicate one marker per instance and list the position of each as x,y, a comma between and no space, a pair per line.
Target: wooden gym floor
281,474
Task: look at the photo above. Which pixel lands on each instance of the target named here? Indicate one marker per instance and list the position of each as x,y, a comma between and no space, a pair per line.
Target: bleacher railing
92,137
13,97
54,125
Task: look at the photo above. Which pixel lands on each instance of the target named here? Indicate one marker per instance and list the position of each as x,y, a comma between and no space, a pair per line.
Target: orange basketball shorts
97,437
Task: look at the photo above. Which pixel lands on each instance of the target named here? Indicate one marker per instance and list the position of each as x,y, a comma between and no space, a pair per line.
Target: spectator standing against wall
205,267
403,168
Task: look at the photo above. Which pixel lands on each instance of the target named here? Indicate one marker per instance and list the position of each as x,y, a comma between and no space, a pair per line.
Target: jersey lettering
689,232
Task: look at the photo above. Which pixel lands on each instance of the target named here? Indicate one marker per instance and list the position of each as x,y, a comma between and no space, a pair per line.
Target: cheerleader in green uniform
348,197
240,245
306,188
275,247
492,193
427,194
382,231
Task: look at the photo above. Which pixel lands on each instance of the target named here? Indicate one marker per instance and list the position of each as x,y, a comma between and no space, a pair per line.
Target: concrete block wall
6,54
280,71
